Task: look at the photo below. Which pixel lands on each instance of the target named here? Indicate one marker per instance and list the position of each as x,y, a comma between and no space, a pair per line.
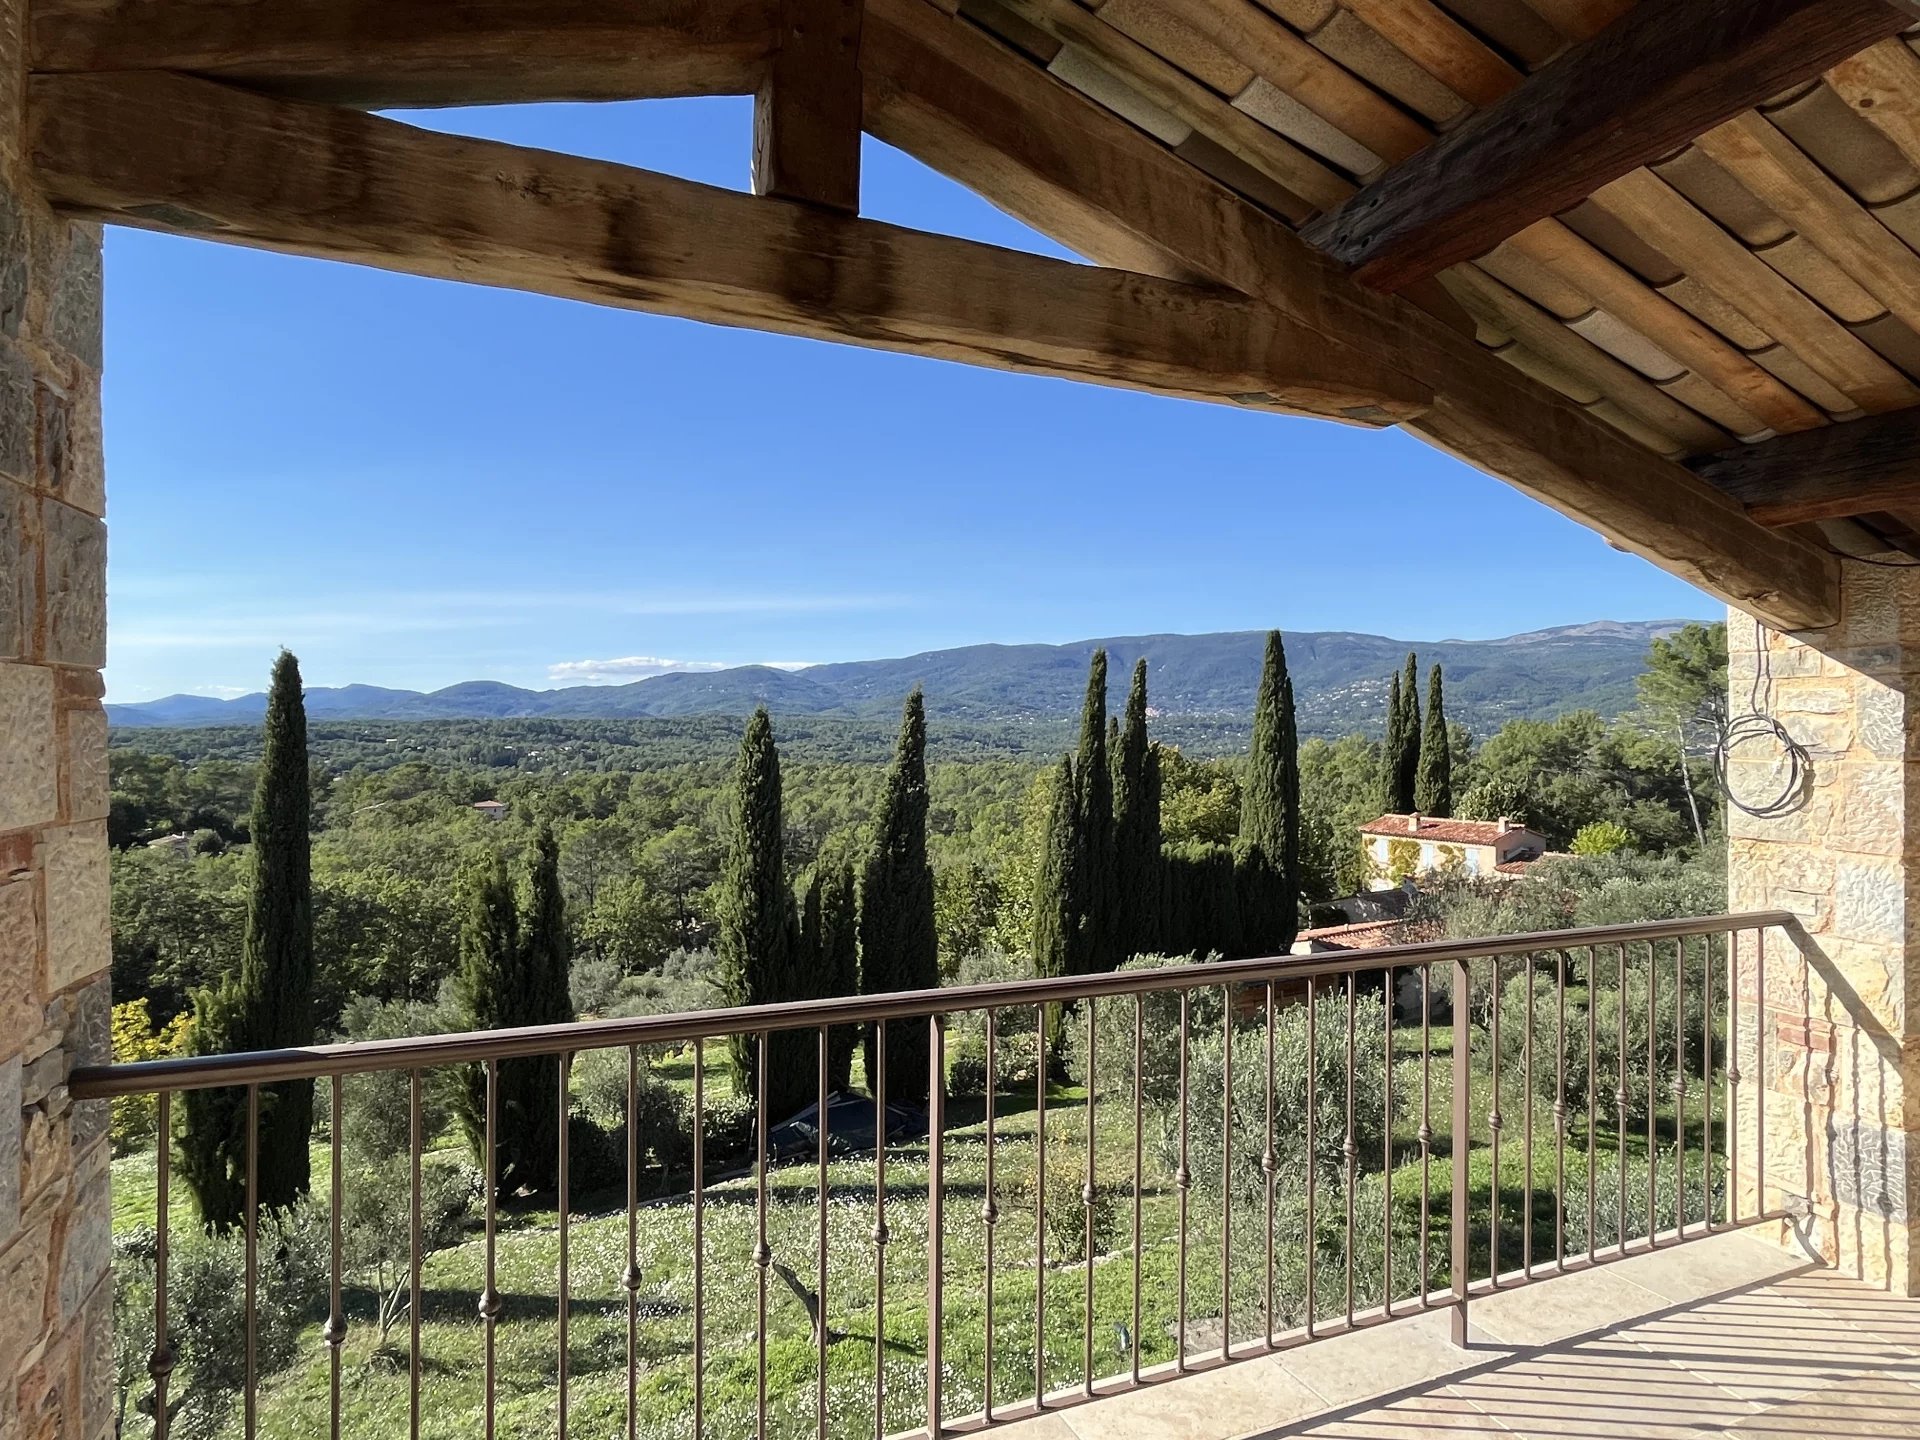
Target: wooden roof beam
947,93
806,113
195,157
1663,73
1833,473
384,54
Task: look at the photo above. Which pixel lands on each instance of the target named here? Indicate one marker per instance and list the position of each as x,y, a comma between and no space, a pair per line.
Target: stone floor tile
1436,1414
1244,1399
1380,1360
1548,1311
1602,1390
1893,1319
1710,1266
1039,1427
1857,1410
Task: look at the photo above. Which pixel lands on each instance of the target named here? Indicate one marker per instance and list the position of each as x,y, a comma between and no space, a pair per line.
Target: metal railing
1445,1012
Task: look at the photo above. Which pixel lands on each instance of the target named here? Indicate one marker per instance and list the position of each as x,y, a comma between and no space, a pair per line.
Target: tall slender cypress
758,930
269,1004
533,1084
898,943
1390,748
1269,840
1433,795
1056,919
1137,867
489,987
1095,823
830,926
1406,776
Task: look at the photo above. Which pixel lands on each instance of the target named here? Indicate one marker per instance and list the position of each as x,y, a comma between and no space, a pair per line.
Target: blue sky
411,483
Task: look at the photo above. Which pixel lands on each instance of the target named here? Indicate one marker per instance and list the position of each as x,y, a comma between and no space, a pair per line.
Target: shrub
134,1117
1065,1212
1112,1069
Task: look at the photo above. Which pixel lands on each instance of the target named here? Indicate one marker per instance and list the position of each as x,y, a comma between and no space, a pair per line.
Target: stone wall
55,1227
1838,1055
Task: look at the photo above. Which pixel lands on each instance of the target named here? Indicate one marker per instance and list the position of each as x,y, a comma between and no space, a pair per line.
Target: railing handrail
259,1067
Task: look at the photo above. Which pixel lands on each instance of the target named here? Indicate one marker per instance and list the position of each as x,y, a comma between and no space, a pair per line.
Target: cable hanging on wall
1754,726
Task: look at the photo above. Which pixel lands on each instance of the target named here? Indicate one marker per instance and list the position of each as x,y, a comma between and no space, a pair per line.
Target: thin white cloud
623,669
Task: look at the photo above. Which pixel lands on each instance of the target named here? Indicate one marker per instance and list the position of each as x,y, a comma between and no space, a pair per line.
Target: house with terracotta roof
1402,847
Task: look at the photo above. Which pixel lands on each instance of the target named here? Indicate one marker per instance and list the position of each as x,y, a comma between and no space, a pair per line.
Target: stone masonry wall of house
1838,1055
56,1351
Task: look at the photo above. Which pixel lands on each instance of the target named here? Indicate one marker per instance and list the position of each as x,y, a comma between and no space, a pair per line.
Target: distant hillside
1340,679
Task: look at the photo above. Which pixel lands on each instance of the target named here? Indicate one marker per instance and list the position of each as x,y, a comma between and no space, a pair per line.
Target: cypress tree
898,944
1390,747
532,1089
1269,837
1056,920
1096,891
1408,772
1136,829
489,986
830,945
269,1004
758,930
1433,795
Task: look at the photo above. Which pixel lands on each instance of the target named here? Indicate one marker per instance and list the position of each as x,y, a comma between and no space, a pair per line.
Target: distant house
181,844
492,809
1402,846
1367,935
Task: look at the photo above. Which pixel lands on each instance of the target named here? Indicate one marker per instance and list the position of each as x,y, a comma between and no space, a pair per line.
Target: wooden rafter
806,114
195,157
1836,472
1665,72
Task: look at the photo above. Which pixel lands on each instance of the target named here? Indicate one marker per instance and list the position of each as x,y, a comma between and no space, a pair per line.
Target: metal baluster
564,1065
1560,1111
1760,1069
1733,1078
699,1237
1462,1145
253,1250
936,1212
1620,1106
1139,1069
1313,1154
1087,1196
762,1252
334,1332
1494,1123
1593,1087
1426,1130
160,1363
1526,1124
1680,1086
630,1278
1043,1027
1183,1182
877,1083
1706,1082
989,1207
489,1297
825,1058
1386,1174
416,1144
1653,1081
1268,1170
1349,1148
1226,1173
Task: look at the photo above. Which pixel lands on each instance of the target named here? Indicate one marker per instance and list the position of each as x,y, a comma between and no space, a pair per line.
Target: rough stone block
13,263
78,943
11,1156
80,477
1870,900
16,413
74,293
1881,712
1872,814
19,565
76,585
23,1299
19,965
87,1251
83,773
28,794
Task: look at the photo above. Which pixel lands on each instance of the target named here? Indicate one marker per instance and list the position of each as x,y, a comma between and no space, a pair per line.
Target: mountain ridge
1339,677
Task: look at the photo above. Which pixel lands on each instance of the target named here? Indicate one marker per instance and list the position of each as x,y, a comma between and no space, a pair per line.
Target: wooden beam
946,93
1664,73
195,157
390,53
806,114
1833,473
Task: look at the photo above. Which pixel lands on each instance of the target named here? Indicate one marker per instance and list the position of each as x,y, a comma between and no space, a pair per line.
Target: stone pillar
56,1356
1838,1054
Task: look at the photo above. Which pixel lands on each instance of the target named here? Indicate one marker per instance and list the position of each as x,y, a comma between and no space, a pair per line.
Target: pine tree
1056,920
1390,747
1096,891
269,1004
1433,795
759,931
1408,772
1269,839
1136,829
489,987
898,944
532,1085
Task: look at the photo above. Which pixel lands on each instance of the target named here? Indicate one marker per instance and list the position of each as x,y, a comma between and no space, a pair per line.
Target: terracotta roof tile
1446,832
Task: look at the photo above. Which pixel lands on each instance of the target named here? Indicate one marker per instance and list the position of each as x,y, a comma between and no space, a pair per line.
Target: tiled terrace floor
1720,1337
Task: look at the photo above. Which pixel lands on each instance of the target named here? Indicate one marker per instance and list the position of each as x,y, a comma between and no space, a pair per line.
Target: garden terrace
1652,263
